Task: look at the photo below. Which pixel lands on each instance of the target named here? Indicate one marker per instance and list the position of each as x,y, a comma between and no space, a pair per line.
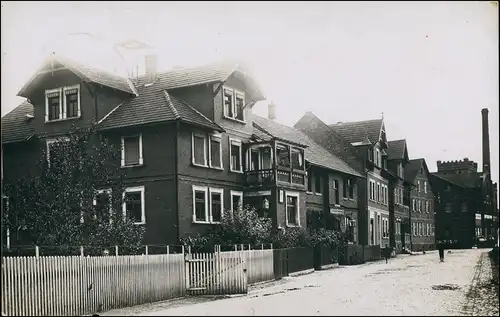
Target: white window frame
236,193
77,87
141,157
54,140
207,212
50,91
418,186
218,138
216,191
378,192
94,202
297,195
240,144
425,187
7,230
135,189
205,151
234,94
377,160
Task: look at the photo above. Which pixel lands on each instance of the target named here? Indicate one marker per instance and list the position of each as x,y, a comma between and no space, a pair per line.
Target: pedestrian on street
441,250
387,253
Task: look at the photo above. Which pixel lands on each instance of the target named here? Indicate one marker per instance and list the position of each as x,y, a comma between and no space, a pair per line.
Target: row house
325,137
422,206
399,201
363,145
331,189
369,137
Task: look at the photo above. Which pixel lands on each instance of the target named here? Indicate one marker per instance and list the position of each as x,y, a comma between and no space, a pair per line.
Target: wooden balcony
271,164
260,177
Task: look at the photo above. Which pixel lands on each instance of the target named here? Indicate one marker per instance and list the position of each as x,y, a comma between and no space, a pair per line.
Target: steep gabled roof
16,125
326,137
359,131
412,169
314,153
155,107
396,149
86,72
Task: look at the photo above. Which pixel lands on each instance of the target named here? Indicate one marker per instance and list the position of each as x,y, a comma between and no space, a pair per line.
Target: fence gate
219,273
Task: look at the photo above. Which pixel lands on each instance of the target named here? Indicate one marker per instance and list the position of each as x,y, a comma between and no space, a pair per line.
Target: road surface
407,285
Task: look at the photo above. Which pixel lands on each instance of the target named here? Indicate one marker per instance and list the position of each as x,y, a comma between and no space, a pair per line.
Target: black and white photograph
250,158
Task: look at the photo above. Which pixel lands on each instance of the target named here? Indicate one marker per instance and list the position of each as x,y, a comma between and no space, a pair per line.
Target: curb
329,266
299,273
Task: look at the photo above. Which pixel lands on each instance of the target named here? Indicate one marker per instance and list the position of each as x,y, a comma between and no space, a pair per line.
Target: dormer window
62,103
234,102
370,155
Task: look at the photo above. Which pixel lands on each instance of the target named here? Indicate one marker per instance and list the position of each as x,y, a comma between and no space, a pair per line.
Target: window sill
236,171
310,193
234,119
64,119
140,223
131,166
288,225
205,222
318,194
199,165
217,168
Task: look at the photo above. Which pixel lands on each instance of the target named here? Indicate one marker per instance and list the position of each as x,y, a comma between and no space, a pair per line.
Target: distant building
466,199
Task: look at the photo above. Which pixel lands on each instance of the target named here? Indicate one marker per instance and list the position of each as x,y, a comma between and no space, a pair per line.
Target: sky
427,67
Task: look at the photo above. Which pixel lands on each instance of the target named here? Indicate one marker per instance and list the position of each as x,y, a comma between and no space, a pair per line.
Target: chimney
271,111
151,64
486,142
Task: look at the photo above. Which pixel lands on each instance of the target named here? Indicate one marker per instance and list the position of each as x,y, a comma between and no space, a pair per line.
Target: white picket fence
259,264
216,273
73,285
76,285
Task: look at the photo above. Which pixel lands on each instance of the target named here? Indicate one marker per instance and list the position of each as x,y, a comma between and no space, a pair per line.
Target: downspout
176,175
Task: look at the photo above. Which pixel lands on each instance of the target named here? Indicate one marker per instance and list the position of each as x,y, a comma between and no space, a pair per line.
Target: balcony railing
260,177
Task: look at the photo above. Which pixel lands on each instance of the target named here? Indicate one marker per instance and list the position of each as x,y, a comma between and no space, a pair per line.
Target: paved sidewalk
407,285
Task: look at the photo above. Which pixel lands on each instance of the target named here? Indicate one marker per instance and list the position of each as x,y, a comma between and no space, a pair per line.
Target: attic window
62,103
234,102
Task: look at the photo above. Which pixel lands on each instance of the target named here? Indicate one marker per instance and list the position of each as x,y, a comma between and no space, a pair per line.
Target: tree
56,205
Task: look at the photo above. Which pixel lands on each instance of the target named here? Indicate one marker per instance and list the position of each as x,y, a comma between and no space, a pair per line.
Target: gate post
187,257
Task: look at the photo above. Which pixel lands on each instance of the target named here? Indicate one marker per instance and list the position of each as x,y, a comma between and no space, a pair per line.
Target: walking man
441,250
387,252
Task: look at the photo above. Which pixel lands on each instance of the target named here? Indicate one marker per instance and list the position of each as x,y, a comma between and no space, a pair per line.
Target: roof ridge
351,122
171,105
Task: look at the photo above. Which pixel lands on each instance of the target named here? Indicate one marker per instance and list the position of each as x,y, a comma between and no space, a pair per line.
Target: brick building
421,206
399,189
467,207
